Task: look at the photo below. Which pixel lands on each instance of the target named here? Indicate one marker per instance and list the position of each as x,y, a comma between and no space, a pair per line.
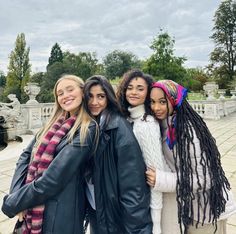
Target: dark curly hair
121,90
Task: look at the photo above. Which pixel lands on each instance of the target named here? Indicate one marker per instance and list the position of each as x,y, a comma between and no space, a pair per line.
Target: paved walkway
223,130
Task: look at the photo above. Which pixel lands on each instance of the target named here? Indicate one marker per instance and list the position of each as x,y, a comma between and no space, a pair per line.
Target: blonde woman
47,187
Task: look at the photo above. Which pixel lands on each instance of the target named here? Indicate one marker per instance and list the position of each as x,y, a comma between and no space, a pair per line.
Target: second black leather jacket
122,196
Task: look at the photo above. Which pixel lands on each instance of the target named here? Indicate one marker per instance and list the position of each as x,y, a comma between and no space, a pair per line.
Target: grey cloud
104,25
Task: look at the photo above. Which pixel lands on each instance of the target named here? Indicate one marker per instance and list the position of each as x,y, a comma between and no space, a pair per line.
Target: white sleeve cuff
165,181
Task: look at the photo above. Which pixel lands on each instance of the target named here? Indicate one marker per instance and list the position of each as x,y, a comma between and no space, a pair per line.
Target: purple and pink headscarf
175,94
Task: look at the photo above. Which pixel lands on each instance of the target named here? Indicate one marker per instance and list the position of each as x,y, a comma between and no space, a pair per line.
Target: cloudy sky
102,26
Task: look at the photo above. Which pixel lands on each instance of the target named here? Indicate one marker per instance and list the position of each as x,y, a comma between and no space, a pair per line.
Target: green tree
84,64
118,62
196,78
162,64
37,78
56,55
2,85
19,69
100,69
54,72
2,79
223,57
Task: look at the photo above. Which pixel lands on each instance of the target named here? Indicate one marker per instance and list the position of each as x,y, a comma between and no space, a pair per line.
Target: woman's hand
151,176
21,216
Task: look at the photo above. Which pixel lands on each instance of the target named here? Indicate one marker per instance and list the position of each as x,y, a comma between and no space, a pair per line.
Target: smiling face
69,95
97,100
160,104
136,92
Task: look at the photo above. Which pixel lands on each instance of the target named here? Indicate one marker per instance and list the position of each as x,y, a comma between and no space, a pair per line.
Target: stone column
32,107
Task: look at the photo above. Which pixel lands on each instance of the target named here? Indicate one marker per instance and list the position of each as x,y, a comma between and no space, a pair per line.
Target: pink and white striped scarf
41,160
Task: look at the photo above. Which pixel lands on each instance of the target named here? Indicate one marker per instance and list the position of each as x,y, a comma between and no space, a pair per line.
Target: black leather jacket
122,196
60,188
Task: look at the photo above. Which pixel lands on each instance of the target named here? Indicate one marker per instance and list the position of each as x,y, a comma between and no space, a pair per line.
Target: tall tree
197,77
56,55
37,78
84,64
223,57
163,64
118,62
2,79
54,72
2,85
19,69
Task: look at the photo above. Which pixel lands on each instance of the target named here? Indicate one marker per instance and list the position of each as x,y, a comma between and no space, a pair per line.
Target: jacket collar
113,122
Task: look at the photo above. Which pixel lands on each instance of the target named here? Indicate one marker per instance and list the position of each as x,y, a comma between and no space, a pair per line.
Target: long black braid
209,193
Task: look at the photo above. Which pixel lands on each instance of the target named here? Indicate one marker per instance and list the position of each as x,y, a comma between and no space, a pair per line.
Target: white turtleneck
147,132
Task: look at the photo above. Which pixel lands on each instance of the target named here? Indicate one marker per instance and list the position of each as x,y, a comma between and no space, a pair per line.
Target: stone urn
32,90
210,89
233,92
222,93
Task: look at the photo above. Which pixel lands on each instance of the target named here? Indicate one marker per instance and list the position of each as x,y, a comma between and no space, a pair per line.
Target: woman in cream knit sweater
133,93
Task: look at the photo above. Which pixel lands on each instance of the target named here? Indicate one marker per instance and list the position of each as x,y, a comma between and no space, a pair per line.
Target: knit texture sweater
147,132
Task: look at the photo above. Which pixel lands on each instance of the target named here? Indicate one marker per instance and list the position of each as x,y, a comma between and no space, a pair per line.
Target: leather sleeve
53,180
134,192
20,173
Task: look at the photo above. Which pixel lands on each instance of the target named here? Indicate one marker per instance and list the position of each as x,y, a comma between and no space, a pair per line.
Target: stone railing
214,109
207,109
46,111
36,114
28,118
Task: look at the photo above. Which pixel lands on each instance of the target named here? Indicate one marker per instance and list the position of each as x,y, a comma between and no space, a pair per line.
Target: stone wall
28,118
214,109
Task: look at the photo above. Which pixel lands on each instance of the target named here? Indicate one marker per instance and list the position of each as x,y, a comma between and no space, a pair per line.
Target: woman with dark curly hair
134,97
196,191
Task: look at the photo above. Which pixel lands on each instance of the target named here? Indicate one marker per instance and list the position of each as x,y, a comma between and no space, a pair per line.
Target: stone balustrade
214,109
46,111
29,117
207,109
36,115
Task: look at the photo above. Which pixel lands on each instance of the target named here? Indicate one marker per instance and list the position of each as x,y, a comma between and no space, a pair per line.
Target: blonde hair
83,119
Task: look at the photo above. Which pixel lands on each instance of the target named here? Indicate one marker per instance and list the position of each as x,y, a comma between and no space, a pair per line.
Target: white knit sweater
148,135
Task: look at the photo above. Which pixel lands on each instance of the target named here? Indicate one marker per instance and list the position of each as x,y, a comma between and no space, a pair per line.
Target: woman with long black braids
196,179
